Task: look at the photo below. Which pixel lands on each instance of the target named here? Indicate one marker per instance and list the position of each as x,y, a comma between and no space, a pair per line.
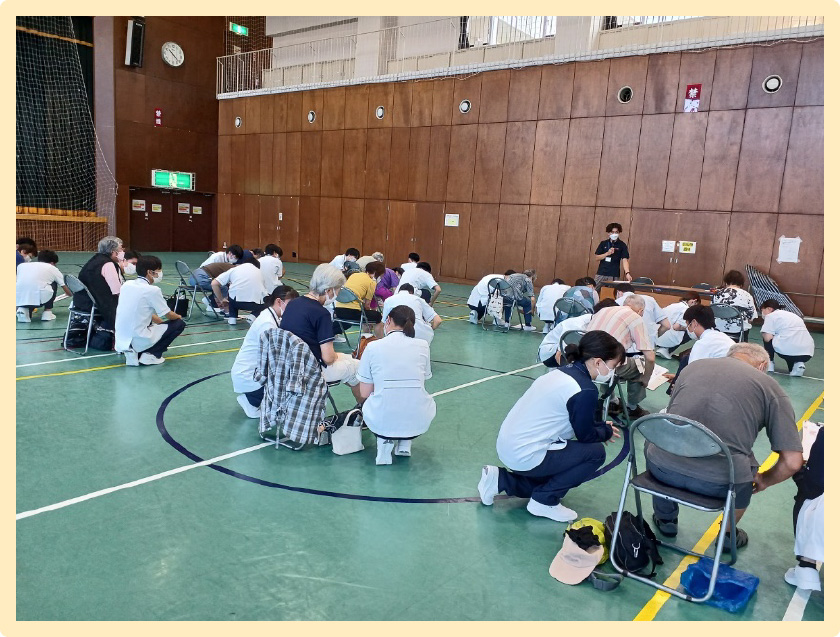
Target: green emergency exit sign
172,179
238,28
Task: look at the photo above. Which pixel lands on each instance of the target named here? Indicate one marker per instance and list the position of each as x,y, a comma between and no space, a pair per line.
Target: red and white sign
692,98
184,208
158,117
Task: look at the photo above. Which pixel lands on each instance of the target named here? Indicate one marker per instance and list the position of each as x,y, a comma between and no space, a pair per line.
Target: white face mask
120,256
157,278
231,258
350,258
331,297
130,268
604,378
614,236
691,334
27,258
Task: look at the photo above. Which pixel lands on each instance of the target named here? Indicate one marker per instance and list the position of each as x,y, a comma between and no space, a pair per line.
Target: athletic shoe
663,352
546,328
771,367
798,368
638,412
339,338
150,359
23,315
131,358
558,512
49,316
383,451
231,320
529,328
506,325
488,486
402,448
804,577
250,318
248,408
668,529
473,317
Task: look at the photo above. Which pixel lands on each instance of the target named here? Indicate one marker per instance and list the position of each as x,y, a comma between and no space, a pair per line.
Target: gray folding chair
568,307
731,315
506,290
350,267
77,287
688,439
643,280
192,291
346,295
570,337
583,294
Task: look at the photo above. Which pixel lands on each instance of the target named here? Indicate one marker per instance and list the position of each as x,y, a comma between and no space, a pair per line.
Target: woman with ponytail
392,373
550,440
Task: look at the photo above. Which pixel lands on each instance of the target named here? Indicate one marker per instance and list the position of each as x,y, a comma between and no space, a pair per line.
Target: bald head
634,302
751,354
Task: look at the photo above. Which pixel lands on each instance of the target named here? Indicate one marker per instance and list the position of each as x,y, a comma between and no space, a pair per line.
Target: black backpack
636,544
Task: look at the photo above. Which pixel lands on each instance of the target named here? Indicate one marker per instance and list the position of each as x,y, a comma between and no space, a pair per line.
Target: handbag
344,431
178,302
363,343
101,339
495,306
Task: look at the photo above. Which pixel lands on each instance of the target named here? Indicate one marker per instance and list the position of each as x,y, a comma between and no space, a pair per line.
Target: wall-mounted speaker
134,42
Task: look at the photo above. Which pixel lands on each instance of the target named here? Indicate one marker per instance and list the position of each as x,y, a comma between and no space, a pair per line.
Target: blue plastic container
733,588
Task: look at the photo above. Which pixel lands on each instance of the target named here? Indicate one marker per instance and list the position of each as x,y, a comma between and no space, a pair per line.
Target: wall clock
172,54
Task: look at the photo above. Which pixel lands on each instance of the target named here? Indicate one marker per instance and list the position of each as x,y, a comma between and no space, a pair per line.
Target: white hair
107,245
378,256
326,277
750,353
634,301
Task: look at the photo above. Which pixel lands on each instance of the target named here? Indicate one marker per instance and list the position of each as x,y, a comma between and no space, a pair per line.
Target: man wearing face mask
103,278
140,332
612,255
233,254
699,323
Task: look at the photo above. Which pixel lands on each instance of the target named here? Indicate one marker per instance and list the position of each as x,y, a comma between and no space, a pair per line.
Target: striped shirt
627,327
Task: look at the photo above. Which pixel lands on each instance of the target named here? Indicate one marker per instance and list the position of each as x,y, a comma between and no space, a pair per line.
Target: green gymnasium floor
273,534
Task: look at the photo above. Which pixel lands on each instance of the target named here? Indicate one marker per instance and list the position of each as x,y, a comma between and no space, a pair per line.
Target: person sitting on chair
584,291
735,399
103,278
413,260
677,335
551,341
709,342
232,254
363,285
250,392
785,334
140,332
420,278
426,320
308,319
350,254
392,374
735,295
550,441
246,290
479,296
388,282
271,266
549,295
522,286
37,283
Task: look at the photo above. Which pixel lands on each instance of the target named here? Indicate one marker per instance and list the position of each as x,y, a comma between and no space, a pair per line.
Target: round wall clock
172,54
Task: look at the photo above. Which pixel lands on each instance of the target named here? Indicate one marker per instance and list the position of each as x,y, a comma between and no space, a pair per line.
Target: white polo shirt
551,342
272,270
34,283
672,337
408,266
338,261
216,257
139,301
711,344
245,283
248,357
790,336
479,294
423,313
419,279
549,295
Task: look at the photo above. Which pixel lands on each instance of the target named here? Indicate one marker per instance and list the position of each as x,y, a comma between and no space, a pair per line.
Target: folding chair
346,295
568,307
730,313
583,294
688,439
764,288
350,267
192,291
506,290
571,337
77,286
642,280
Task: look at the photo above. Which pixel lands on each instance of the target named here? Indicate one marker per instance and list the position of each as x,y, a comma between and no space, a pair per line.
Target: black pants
680,367
346,314
426,295
685,340
478,309
790,360
736,335
49,304
235,306
255,397
173,330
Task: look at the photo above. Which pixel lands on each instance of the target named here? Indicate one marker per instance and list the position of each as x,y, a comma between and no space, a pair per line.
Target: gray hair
326,277
107,245
531,274
750,353
378,256
634,301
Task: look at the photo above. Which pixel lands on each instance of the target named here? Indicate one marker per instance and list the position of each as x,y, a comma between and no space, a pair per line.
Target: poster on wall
789,249
692,98
669,246
451,220
138,204
688,247
156,207
158,117
183,208
196,210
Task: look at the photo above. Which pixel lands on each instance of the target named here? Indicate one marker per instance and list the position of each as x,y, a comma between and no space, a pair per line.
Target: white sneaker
798,369
383,451
488,486
803,577
23,315
248,408
250,318
546,328
49,316
131,358
529,328
558,513
150,359
231,320
663,352
473,317
402,448
339,338
771,367
506,325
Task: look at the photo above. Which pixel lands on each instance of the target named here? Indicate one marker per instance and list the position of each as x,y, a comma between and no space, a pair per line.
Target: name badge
608,259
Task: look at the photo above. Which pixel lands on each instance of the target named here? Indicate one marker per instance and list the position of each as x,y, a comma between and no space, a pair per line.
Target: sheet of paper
669,246
657,378
789,249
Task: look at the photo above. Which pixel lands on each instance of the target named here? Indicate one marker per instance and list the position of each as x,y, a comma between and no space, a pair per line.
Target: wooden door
151,226
648,229
192,222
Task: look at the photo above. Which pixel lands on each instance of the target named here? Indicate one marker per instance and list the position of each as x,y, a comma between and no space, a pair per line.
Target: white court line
203,463
796,608
84,358
789,376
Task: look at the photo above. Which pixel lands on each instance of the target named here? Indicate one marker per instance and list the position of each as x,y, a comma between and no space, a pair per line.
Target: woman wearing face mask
128,262
103,278
612,255
308,319
249,392
140,332
550,440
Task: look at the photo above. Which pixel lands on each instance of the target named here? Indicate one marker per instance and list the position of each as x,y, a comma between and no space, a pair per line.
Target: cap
573,564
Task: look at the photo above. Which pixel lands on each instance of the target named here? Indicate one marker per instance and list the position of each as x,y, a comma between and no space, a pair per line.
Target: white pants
342,370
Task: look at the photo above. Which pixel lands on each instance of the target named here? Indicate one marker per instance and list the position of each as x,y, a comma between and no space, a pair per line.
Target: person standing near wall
612,255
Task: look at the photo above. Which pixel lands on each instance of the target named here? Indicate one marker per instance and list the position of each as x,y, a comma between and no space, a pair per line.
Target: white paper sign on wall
451,220
184,208
669,246
138,204
789,249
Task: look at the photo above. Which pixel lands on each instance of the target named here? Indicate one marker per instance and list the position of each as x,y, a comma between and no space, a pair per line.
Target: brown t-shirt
215,269
735,401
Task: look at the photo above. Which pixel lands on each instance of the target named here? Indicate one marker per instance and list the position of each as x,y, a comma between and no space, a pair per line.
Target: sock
805,564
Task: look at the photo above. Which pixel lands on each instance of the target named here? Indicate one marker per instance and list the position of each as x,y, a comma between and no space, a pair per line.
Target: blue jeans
525,304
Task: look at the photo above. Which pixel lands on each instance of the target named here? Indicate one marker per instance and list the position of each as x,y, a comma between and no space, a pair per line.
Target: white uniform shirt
398,367
245,283
653,314
419,279
423,313
549,295
34,283
248,357
408,266
672,337
551,342
216,257
479,294
711,344
338,261
790,336
133,329
272,270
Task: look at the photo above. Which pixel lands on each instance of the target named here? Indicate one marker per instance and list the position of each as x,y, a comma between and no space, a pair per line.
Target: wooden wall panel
697,68
402,104
800,277
281,104
720,160
628,71
252,164
377,163
711,231
519,159
511,233
802,187
455,242
809,90
294,115
293,146
549,161
556,85
467,87
652,164
648,229
225,106
353,172
663,80
495,87
309,228
278,164
288,227
266,158
237,226
524,94
686,161
438,169
329,229
462,145
731,83
333,115
589,96
750,241
759,180
489,162
269,207
352,224
399,169
442,91
819,309
399,240
225,166
541,241
266,113
238,153
238,109
618,160
249,220
251,121
374,225
418,162
574,234
583,159
356,106
782,60
428,235
380,94
312,101
421,103
600,218
481,251
310,163
223,219
332,163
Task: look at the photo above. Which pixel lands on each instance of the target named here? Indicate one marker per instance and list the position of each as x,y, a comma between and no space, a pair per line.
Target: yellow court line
659,598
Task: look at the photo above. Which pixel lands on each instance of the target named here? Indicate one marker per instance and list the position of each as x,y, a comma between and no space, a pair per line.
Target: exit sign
238,28
171,179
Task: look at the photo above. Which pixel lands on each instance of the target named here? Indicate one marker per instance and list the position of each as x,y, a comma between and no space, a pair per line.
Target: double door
170,220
